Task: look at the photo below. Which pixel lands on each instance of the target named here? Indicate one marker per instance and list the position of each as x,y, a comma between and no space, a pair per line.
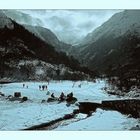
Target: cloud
71,25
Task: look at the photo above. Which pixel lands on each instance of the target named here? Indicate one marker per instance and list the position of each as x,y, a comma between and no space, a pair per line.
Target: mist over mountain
70,26
35,26
49,37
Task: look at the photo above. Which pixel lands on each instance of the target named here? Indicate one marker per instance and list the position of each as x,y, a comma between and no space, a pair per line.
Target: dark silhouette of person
23,85
43,87
52,95
79,85
71,94
62,97
70,97
39,87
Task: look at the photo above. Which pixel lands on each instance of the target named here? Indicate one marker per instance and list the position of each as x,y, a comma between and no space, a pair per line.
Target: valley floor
17,116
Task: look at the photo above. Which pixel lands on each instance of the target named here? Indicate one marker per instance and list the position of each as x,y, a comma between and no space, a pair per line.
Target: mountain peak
109,45
118,25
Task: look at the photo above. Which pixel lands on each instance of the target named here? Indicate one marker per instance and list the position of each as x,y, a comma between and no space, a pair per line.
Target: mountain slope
18,45
109,45
116,26
113,49
35,26
49,37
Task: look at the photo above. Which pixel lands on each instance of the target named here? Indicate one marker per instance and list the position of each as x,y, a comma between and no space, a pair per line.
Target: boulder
24,98
17,94
71,100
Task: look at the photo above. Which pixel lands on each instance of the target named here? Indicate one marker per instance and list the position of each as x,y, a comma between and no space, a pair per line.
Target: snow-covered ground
102,120
16,116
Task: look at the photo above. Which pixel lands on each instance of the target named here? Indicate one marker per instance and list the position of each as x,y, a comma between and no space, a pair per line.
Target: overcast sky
71,25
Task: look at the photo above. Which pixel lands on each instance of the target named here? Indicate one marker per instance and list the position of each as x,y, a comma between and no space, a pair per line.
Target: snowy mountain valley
49,81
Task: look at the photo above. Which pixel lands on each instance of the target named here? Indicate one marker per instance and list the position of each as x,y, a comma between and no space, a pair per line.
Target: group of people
43,87
63,97
25,86
78,85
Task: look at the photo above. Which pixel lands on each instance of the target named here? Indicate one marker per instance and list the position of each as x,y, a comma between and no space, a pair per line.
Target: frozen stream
16,116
